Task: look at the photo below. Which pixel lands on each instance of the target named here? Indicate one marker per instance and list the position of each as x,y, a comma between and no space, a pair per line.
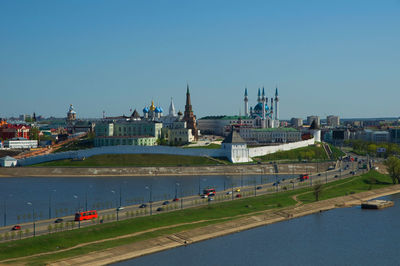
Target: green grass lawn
209,146
222,211
127,160
370,180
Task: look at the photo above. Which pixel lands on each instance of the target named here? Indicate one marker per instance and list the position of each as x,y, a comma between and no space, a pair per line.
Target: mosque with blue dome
264,115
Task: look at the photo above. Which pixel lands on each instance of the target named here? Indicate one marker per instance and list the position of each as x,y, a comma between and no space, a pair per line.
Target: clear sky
337,57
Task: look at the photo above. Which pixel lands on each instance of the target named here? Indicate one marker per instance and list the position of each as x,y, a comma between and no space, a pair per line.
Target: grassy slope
209,146
125,160
370,180
217,210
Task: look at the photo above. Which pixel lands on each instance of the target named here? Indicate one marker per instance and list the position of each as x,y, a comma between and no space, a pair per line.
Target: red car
175,199
238,196
16,227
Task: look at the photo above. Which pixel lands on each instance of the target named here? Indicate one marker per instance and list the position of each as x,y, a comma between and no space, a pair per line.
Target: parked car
175,199
237,190
336,176
165,202
59,220
16,227
229,193
210,199
160,209
238,196
143,206
120,208
204,196
259,187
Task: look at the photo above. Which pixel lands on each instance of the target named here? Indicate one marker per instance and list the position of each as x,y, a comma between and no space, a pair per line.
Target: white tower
246,104
172,109
276,104
263,109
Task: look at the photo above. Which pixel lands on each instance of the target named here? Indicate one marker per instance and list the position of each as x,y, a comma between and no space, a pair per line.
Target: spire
245,92
263,93
187,90
172,108
259,95
276,92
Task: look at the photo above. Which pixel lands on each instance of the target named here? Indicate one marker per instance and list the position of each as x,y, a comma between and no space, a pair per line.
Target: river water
349,236
60,196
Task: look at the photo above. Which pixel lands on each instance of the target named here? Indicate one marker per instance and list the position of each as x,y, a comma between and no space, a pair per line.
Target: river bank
211,231
249,169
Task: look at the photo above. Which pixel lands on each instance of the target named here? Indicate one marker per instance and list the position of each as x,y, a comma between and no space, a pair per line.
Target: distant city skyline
326,58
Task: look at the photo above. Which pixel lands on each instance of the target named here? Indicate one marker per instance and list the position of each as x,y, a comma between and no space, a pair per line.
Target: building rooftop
234,137
285,129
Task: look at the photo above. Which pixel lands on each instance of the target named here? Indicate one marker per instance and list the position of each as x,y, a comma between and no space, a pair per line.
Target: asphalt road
42,226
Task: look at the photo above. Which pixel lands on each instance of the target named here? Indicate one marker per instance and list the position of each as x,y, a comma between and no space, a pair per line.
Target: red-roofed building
9,131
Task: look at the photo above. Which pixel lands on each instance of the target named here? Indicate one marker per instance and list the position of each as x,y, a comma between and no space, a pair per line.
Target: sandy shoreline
162,243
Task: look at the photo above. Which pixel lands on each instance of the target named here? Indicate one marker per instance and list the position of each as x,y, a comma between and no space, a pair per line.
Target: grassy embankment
311,153
209,146
127,160
218,211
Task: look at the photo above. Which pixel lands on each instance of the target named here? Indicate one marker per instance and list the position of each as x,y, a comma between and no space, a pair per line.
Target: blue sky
327,57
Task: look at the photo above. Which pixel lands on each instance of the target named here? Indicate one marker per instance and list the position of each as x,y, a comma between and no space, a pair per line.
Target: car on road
16,227
160,209
210,199
143,206
59,220
237,190
175,199
259,187
120,208
336,176
319,174
165,202
204,196
238,196
229,193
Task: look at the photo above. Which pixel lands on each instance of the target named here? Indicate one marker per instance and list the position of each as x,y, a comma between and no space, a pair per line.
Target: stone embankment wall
256,169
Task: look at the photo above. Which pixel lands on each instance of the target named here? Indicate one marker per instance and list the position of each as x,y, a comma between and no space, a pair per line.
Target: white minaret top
172,109
276,103
246,103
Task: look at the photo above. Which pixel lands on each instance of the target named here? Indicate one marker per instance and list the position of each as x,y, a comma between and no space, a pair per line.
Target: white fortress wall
260,151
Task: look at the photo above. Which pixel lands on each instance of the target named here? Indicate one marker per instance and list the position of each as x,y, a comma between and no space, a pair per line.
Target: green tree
393,167
317,190
34,133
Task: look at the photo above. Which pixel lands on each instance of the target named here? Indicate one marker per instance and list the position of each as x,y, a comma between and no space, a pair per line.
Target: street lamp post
77,209
116,204
33,218
51,192
150,188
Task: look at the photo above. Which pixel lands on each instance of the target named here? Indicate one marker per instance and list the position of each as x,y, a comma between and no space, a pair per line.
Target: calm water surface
64,195
349,236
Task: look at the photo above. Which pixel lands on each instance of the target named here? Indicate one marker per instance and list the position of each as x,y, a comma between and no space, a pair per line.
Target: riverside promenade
241,223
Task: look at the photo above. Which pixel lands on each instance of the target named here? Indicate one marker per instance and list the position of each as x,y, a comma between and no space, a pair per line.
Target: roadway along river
349,236
61,196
